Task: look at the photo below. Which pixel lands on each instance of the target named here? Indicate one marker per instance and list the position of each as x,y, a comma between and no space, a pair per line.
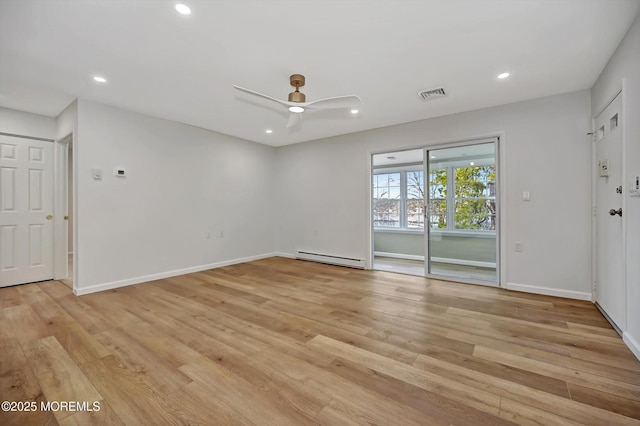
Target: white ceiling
183,67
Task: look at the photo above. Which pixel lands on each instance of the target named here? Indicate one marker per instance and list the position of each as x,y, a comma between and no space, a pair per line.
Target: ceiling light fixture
183,9
268,131
99,79
503,75
296,109
354,111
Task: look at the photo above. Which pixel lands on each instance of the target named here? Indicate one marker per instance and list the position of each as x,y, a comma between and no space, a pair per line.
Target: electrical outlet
517,246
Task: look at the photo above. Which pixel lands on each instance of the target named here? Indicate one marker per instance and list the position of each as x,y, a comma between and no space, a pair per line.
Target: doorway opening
64,241
398,212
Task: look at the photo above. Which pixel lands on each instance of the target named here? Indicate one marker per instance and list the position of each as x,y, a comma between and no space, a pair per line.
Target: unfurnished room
331,212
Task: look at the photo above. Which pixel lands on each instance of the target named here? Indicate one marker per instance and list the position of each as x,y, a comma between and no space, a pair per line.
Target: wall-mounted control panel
603,166
634,189
119,172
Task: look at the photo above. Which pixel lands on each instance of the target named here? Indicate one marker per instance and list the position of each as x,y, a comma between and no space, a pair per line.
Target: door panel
26,205
461,218
610,286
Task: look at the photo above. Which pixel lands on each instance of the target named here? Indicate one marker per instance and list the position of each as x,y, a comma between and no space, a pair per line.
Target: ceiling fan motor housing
297,81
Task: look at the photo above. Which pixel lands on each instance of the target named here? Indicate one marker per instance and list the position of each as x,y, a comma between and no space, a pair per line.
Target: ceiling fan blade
348,101
295,119
251,92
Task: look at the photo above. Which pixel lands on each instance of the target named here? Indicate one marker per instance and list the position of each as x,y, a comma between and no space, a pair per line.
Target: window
438,198
398,199
475,203
462,198
415,199
386,200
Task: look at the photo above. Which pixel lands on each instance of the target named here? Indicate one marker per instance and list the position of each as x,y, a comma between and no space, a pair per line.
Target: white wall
182,182
624,65
324,187
67,121
27,124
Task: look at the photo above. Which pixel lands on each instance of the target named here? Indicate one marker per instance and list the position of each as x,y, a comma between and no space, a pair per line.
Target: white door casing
610,286
26,208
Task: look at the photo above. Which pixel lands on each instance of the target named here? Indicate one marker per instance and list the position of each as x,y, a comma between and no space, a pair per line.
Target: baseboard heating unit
332,260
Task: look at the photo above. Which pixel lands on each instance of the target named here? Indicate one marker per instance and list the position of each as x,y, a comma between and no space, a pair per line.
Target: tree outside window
473,198
475,203
415,199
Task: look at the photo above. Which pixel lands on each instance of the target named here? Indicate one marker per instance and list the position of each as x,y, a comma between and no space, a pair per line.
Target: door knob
614,212
49,217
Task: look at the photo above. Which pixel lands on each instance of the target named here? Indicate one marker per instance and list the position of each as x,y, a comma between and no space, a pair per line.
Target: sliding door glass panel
397,210
462,214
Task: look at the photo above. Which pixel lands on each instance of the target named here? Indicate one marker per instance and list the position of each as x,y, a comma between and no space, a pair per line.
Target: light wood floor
285,342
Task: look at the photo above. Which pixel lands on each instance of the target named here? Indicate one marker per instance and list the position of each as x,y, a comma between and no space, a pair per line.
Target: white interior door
26,208
610,286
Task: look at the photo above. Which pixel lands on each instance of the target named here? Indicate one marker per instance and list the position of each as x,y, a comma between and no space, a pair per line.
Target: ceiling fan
297,101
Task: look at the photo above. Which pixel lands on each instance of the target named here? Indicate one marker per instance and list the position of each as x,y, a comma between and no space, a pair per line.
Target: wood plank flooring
286,342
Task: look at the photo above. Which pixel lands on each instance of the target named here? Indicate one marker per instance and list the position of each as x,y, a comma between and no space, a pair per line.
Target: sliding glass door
462,215
435,211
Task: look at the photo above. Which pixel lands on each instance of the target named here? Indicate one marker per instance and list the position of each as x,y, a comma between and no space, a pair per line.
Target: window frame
451,198
403,169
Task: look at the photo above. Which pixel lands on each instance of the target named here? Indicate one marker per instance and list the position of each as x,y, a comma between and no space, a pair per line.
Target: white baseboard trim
569,294
632,344
436,259
146,278
287,255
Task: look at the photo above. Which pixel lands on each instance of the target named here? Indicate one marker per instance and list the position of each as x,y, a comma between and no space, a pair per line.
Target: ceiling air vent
429,94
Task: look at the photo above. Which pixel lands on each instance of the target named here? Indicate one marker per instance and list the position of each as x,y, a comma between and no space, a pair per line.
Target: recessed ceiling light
503,75
99,79
268,131
296,109
183,9
354,111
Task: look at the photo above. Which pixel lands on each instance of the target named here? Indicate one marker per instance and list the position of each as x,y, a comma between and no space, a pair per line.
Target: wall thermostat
119,172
